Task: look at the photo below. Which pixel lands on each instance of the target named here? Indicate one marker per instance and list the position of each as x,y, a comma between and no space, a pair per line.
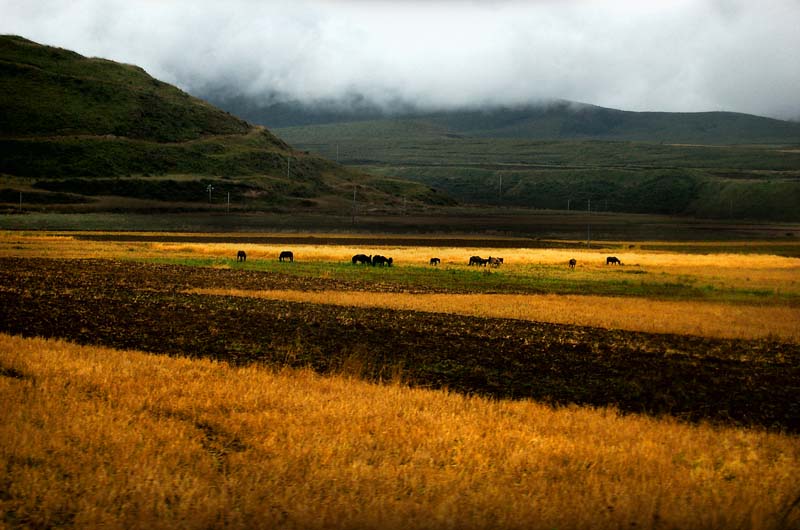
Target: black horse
613,260
362,258
241,256
286,254
435,261
572,263
475,260
381,260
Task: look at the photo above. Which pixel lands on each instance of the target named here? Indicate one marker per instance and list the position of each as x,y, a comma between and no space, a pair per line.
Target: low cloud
681,55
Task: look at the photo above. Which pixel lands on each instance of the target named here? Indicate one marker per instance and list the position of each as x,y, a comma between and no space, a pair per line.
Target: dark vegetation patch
142,306
9,195
99,157
13,373
157,189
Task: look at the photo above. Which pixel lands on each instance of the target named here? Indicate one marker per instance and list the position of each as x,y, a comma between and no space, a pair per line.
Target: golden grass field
92,437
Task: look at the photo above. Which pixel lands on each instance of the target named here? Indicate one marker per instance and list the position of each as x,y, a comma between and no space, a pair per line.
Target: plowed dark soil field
144,306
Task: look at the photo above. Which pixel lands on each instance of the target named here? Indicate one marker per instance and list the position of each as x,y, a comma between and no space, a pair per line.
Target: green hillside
51,91
554,120
564,120
86,134
758,182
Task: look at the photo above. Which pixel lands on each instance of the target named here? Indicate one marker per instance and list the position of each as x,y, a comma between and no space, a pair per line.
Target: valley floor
151,380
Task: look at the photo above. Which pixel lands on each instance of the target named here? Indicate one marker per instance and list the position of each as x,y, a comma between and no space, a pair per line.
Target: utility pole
354,203
210,188
500,193
589,223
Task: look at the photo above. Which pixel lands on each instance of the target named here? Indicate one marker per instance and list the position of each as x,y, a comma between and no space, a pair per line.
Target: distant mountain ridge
555,120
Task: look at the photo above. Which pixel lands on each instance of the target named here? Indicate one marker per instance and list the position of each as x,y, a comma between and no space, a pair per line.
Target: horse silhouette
572,263
613,260
477,260
286,254
241,256
381,260
362,258
435,261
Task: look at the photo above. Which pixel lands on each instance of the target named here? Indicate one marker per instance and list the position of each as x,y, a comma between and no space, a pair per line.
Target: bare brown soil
144,306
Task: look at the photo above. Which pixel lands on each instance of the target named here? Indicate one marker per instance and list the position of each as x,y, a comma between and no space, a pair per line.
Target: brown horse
241,256
362,258
381,260
286,254
613,260
435,261
572,263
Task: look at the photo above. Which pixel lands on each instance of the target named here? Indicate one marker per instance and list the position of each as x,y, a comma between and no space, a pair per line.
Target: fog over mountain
681,55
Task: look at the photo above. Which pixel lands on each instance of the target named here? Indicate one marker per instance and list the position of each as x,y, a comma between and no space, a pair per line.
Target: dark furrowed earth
144,306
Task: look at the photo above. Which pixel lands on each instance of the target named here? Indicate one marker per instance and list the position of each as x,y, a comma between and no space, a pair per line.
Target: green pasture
517,279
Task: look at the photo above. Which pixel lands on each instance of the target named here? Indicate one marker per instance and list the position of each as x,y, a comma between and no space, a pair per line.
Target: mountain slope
565,120
93,134
555,120
51,91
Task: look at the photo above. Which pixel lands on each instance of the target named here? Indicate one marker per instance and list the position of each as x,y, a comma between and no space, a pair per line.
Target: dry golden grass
706,319
91,437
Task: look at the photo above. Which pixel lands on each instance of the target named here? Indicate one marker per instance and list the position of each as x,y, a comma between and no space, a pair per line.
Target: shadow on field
141,306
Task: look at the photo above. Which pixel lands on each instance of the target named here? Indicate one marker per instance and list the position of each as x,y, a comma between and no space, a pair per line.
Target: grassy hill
87,134
555,120
454,154
561,155
565,120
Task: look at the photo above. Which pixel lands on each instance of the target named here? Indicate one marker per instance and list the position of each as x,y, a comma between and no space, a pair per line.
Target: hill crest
552,120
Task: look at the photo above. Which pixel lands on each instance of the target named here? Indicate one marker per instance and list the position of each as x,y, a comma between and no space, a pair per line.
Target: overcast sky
663,55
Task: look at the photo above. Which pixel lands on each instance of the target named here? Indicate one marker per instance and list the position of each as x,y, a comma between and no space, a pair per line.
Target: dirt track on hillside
143,306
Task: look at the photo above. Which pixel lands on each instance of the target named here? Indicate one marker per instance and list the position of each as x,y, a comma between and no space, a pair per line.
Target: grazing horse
362,258
286,254
613,260
241,256
495,262
381,260
475,260
435,261
572,263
